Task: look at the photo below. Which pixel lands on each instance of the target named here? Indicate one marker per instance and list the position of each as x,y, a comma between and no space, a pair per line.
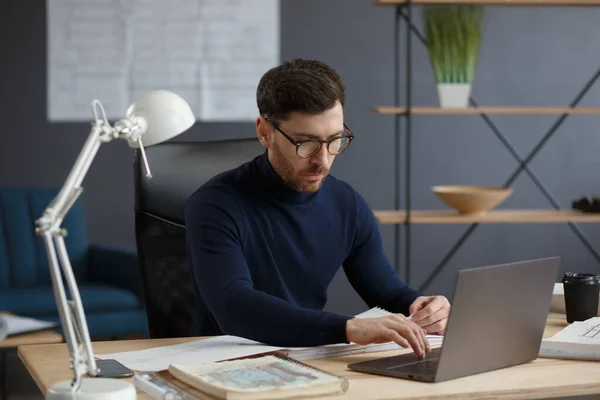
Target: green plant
453,34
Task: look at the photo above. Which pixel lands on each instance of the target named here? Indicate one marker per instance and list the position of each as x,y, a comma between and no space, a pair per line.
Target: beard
296,180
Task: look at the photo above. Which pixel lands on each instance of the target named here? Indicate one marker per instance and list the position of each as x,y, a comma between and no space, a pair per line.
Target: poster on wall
210,52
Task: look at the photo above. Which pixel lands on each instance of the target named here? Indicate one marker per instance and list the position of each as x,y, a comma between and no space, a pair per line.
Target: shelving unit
496,217
404,215
486,110
546,3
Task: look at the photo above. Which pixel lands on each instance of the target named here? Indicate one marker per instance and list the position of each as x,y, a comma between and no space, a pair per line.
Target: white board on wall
211,52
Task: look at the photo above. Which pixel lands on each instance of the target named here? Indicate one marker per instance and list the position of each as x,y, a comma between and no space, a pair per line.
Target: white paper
14,325
196,352
587,332
376,312
580,339
210,52
227,347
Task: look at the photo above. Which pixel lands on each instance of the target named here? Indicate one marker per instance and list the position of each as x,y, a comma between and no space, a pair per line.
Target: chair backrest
23,259
178,169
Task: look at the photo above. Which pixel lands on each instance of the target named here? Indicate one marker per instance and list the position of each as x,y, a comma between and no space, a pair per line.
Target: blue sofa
109,279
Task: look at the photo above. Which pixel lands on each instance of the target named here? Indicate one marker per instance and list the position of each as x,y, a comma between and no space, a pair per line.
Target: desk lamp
153,118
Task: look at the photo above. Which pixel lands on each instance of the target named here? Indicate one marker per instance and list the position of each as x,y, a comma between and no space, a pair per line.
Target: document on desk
580,340
228,347
15,325
196,352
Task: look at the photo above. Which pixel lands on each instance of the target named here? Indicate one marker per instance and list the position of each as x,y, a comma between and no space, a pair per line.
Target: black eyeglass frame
298,143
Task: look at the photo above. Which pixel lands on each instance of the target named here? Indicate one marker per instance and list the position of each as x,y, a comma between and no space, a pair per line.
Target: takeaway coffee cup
582,294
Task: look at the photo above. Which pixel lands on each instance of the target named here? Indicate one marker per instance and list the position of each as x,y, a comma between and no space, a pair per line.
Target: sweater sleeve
214,230
368,269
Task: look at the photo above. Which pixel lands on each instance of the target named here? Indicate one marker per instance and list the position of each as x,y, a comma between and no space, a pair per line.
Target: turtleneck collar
275,186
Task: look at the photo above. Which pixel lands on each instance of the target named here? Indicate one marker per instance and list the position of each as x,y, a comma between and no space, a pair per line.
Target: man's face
304,174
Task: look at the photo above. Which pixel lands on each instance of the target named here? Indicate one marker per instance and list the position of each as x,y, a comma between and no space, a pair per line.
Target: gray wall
530,57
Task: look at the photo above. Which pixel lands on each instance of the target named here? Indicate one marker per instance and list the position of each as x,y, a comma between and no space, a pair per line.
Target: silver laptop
497,320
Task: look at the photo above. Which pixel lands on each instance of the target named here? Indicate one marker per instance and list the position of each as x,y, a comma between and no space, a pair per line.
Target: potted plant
453,34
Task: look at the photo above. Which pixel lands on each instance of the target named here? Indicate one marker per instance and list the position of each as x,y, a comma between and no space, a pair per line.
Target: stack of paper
228,347
580,340
14,325
336,350
198,351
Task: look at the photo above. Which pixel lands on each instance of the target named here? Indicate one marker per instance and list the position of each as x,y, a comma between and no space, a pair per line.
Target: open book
268,377
580,340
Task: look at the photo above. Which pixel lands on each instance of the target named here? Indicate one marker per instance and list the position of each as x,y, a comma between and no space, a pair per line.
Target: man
266,239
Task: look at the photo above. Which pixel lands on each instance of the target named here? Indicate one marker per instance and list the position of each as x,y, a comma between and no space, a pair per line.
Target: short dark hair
309,86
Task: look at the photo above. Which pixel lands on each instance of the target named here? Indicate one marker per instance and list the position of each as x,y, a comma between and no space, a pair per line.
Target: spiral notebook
269,377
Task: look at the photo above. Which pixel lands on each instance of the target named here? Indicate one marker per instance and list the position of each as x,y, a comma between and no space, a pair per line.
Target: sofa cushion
111,324
23,259
118,323
40,301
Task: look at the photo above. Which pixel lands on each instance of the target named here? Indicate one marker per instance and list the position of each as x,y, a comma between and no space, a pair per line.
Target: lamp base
93,389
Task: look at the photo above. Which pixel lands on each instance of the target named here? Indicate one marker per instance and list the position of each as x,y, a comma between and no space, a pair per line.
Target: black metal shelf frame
404,13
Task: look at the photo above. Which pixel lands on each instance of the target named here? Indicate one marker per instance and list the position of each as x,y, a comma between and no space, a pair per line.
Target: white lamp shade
166,114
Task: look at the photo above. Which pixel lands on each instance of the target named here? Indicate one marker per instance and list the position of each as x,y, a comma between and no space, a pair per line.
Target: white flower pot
454,95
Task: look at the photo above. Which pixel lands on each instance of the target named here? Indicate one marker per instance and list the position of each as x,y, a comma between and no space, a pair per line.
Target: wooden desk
542,378
40,337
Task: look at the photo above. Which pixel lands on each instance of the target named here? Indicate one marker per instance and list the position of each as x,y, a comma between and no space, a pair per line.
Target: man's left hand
431,313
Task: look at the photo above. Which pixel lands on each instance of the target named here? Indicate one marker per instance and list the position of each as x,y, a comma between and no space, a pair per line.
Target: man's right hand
392,328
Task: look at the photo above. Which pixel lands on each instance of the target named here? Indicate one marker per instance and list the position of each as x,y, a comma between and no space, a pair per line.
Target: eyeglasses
308,148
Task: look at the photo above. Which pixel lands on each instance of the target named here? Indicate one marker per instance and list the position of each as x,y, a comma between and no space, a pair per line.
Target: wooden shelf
487,110
539,3
495,216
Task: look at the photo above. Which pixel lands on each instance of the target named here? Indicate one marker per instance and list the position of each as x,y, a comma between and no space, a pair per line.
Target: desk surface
31,338
542,378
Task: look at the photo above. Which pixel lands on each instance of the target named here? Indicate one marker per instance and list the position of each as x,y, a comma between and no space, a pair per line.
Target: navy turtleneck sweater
263,256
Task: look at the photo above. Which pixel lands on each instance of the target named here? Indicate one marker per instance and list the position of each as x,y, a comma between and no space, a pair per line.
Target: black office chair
178,169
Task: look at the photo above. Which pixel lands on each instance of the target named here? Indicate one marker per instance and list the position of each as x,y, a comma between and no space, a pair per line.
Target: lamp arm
60,205
48,226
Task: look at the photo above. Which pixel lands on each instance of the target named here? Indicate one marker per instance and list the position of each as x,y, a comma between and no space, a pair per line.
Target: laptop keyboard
425,367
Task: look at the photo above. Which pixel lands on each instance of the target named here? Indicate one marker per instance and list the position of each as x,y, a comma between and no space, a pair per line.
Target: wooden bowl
472,199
